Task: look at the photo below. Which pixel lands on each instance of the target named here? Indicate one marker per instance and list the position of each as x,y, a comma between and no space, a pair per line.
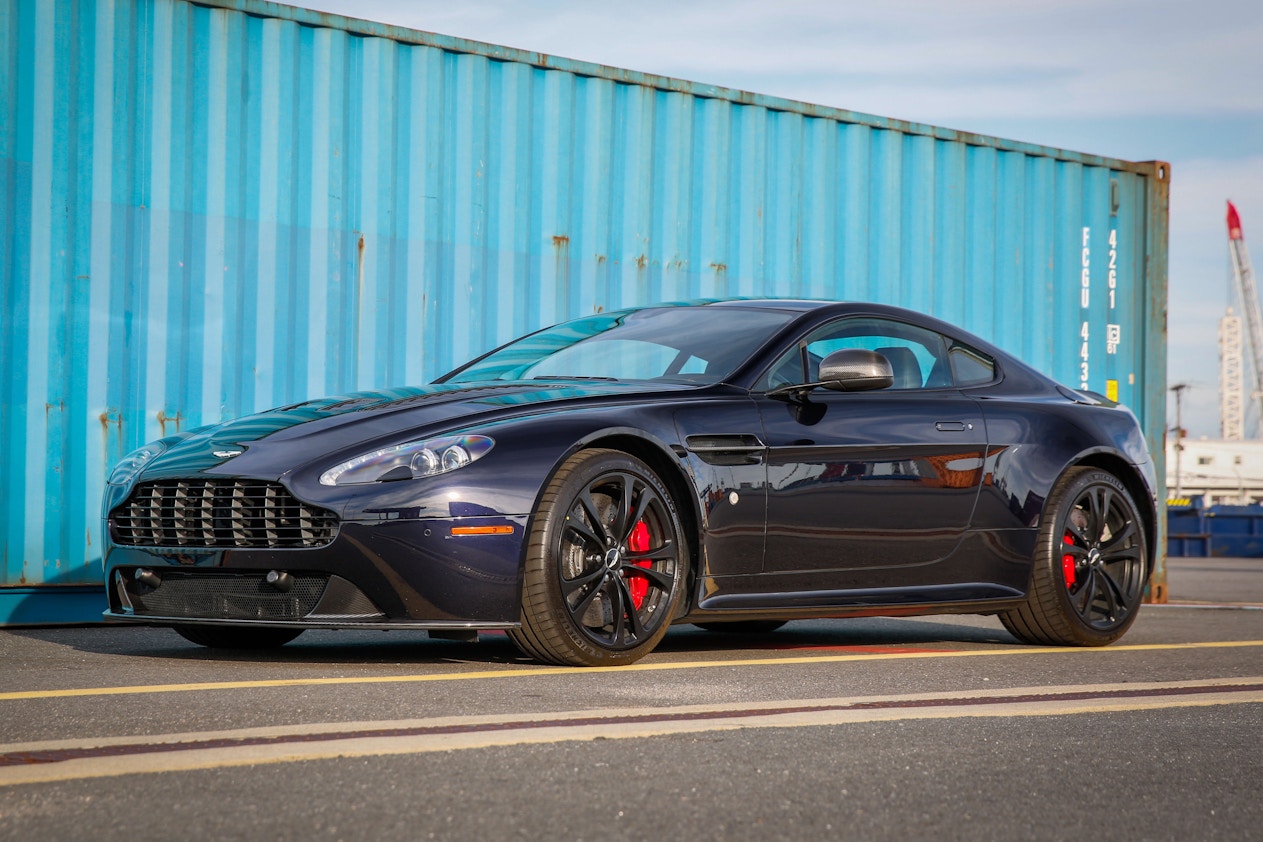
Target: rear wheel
605,565
1090,566
237,637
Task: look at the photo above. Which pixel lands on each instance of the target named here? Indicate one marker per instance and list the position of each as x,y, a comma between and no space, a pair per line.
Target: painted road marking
64,760
535,672
1227,606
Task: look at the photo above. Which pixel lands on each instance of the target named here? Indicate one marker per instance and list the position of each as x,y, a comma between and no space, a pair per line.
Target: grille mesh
220,513
226,596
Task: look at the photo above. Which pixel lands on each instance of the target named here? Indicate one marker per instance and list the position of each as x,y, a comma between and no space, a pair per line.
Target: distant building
1218,471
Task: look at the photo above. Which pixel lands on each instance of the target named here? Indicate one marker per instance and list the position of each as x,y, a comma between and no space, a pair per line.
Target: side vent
727,449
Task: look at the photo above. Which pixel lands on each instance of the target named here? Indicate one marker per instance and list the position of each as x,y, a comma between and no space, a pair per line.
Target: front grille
220,513
245,596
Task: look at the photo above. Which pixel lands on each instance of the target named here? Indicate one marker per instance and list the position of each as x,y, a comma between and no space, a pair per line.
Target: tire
606,563
237,637
743,626
1090,565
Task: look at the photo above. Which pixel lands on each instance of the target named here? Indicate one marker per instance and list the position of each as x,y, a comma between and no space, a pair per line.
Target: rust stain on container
164,419
561,243
359,286
108,418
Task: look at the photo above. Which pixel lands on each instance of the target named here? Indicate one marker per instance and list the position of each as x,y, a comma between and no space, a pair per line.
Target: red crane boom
1249,297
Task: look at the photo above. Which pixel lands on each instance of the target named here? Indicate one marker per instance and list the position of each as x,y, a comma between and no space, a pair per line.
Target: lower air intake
176,593
225,596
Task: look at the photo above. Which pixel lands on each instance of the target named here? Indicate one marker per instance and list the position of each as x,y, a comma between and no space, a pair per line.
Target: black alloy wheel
605,566
1090,567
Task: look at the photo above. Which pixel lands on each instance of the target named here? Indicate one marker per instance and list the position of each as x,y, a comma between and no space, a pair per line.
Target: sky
1173,80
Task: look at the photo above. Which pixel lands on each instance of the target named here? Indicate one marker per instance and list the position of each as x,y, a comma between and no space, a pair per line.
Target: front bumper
400,573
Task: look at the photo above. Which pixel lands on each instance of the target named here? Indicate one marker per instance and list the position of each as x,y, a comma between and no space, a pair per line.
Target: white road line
62,760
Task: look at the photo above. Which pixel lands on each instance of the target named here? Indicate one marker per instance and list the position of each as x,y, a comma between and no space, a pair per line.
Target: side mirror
855,370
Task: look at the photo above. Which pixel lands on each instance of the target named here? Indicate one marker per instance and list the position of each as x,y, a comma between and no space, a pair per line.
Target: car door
863,487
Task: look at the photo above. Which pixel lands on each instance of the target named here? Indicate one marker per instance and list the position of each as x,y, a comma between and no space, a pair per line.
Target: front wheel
605,564
237,637
1090,565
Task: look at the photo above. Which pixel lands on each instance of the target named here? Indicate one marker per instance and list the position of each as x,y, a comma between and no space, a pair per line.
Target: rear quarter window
971,368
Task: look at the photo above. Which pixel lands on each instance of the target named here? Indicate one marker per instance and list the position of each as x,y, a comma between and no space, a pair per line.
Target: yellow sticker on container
1111,390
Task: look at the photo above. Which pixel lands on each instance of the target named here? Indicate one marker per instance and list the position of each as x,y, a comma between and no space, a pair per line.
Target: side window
919,358
971,368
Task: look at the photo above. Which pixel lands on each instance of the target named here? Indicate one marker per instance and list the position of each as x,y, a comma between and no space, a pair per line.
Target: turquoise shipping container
213,208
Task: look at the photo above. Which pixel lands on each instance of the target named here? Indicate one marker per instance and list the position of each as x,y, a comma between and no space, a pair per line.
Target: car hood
272,443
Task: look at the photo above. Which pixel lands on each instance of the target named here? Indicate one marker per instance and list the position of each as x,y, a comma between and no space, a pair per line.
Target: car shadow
869,632
399,648
354,647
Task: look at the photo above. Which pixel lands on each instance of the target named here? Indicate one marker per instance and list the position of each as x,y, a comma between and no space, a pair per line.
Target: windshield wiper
572,377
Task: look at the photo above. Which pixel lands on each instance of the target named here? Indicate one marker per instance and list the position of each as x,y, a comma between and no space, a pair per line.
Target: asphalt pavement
881,728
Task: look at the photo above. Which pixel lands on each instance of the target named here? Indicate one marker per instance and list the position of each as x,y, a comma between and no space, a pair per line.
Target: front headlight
413,460
132,464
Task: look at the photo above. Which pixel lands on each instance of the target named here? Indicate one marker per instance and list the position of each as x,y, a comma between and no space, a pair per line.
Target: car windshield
673,344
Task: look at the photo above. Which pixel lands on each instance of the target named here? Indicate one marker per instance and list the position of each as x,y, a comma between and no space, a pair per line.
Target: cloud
916,59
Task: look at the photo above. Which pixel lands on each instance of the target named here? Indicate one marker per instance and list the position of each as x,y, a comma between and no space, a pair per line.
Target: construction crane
1249,300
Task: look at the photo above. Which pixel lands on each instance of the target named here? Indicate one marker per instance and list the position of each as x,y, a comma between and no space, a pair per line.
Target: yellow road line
96,757
535,672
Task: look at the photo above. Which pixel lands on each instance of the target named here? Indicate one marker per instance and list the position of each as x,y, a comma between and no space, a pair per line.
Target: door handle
952,426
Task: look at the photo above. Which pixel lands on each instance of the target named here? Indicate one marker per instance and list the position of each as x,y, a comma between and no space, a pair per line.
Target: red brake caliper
1067,560
638,542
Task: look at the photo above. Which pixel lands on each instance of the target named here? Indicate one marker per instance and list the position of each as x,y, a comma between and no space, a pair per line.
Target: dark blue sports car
733,464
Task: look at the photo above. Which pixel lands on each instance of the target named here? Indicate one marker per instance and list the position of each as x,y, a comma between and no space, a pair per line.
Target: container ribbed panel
208,210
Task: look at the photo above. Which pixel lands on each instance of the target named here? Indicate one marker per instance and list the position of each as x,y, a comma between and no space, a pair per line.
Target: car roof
796,304
1014,368
793,305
